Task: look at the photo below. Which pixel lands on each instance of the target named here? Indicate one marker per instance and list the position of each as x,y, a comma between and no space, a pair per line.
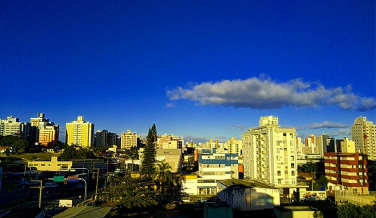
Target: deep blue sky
199,69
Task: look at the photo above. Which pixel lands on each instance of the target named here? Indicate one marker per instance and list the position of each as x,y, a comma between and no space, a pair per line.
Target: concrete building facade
347,171
12,126
248,195
169,142
364,135
212,168
128,139
80,133
270,153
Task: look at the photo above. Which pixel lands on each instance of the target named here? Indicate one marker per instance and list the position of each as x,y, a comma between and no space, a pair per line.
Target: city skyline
197,70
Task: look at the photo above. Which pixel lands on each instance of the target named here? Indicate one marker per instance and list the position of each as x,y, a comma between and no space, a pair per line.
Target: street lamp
85,187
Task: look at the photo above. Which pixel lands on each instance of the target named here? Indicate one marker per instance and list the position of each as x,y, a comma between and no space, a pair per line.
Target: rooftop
244,183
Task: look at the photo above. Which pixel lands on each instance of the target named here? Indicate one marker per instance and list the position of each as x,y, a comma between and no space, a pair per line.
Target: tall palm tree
163,175
311,168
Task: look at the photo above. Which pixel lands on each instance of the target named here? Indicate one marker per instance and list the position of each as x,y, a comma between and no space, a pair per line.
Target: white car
50,185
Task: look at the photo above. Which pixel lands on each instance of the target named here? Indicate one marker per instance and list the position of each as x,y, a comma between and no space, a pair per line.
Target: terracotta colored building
347,171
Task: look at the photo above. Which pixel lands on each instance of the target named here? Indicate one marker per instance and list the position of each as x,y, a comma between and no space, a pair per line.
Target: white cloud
170,105
264,93
325,124
345,132
237,127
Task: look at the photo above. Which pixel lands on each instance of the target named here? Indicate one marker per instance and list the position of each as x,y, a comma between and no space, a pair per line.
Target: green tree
73,152
311,168
17,142
127,192
163,176
349,210
322,182
148,161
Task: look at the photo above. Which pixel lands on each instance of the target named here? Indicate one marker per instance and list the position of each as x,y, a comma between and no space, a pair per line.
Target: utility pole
40,191
96,187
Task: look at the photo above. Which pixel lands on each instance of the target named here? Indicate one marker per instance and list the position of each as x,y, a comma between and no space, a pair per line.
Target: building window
279,173
292,165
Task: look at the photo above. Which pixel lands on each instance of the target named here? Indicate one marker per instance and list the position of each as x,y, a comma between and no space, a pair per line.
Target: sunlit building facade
364,135
80,133
128,139
12,126
169,142
43,131
269,153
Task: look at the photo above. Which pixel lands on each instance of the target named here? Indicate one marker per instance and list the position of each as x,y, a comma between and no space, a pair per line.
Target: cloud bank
260,93
325,124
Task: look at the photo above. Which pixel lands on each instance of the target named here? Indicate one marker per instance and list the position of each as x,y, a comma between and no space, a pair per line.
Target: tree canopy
163,176
129,193
17,142
71,152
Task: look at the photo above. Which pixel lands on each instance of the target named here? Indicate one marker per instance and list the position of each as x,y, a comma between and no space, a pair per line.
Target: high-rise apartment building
234,146
12,126
43,131
347,171
49,135
112,139
269,153
101,138
326,144
128,140
80,133
364,135
311,145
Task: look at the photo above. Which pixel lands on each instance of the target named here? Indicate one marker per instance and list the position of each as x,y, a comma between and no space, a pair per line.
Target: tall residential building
326,144
345,145
49,135
347,171
112,139
169,142
128,140
43,131
364,135
311,145
80,133
12,126
101,138
234,146
270,153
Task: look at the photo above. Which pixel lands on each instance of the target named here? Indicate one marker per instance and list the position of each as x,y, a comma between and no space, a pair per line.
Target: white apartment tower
270,153
364,135
12,126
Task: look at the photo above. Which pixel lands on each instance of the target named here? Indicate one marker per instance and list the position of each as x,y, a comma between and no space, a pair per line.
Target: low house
248,195
297,212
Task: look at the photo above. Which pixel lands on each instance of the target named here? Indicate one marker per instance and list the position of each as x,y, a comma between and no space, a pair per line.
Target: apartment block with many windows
270,153
347,171
80,133
364,135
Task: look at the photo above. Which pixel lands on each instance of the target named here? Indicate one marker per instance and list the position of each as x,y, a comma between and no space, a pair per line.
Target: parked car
50,185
